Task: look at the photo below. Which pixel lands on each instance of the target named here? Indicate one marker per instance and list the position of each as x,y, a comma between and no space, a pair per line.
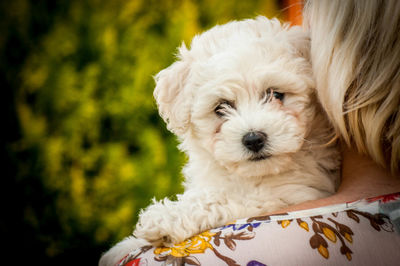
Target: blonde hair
355,52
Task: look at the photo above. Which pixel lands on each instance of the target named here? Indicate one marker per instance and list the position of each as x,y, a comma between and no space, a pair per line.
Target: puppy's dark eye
222,107
278,95
272,92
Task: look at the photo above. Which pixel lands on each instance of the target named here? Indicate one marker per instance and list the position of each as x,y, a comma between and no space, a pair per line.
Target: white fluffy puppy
241,101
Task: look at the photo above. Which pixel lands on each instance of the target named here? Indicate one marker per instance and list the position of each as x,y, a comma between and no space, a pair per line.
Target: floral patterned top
364,232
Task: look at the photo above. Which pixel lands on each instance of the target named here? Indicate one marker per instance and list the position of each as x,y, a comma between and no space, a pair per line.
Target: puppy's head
242,94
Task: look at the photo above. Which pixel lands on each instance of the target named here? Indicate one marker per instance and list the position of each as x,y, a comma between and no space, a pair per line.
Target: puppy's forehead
248,57
248,70
239,52
236,33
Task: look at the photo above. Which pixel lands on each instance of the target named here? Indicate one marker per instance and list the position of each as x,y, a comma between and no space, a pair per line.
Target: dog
242,102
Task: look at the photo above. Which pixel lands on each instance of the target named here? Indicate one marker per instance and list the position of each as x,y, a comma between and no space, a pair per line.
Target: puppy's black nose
254,141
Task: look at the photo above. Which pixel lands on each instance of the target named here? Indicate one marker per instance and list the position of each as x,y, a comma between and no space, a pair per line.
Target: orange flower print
302,224
329,234
284,223
180,253
319,243
193,245
341,232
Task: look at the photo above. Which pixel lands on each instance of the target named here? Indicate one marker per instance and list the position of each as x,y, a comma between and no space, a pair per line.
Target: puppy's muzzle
254,140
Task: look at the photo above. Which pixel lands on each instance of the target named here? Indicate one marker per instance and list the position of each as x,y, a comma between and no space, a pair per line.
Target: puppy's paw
165,224
120,250
158,237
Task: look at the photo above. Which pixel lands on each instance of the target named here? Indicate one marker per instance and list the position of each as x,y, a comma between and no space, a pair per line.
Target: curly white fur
238,62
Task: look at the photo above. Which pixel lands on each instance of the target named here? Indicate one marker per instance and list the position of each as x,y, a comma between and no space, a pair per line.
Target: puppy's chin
257,167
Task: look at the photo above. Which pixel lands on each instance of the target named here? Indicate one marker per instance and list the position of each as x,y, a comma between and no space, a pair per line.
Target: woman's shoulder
334,234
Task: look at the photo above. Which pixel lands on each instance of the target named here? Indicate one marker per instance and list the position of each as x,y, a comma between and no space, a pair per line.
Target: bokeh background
84,147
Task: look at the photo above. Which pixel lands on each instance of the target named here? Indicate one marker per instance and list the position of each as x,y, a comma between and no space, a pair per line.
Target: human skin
361,178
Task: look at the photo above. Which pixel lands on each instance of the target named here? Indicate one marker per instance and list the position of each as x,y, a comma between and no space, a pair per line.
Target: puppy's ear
173,100
300,39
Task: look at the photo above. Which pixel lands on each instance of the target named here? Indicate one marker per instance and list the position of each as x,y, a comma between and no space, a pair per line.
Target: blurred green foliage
85,149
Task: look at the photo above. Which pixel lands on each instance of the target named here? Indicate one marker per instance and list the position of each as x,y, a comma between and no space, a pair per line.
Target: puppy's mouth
259,157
